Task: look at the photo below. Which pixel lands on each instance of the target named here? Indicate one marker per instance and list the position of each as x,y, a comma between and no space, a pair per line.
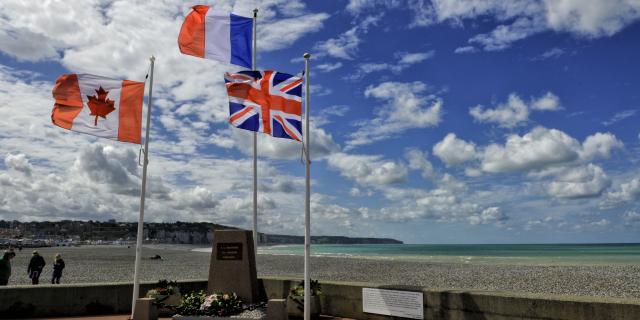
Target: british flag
266,101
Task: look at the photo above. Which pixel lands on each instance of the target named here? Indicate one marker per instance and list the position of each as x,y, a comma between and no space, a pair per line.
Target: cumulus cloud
625,192
542,148
321,144
418,161
407,108
535,150
368,170
18,162
631,218
345,46
452,150
547,102
600,145
515,111
507,115
522,19
404,61
328,67
488,215
580,182
517,19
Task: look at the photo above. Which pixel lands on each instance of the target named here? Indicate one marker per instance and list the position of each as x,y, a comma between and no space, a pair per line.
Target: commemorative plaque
233,264
229,251
405,304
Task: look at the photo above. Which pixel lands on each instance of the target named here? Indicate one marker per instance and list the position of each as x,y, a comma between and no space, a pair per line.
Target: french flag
215,35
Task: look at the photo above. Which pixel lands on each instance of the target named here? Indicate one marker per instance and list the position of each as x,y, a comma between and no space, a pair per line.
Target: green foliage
298,290
217,304
296,294
222,304
164,290
191,304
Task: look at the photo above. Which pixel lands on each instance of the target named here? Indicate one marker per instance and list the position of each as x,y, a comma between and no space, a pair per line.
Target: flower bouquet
295,306
167,296
199,305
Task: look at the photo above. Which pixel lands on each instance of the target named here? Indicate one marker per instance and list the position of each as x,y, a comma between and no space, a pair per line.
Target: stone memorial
233,264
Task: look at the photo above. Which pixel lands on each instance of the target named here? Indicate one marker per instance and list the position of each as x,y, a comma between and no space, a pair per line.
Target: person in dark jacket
58,265
35,267
5,267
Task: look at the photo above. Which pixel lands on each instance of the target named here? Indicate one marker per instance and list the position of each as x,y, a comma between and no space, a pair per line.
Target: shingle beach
92,264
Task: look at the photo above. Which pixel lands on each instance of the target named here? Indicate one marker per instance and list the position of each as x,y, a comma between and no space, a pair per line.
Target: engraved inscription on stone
405,304
229,251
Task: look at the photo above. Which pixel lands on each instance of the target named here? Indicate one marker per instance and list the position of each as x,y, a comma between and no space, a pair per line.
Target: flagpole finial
255,12
306,55
153,58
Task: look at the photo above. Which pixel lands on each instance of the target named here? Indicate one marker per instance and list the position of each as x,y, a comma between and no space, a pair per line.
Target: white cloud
368,170
522,19
543,148
548,102
328,67
345,46
413,58
535,150
625,192
488,215
619,116
466,49
18,162
631,218
452,150
406,108
318,90
418,161
515,111
517,19
507,115
322,144
599,145
405,60
580,182
281,33
598,19
552,53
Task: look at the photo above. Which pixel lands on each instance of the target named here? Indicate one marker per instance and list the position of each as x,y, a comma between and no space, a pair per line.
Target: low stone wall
339,299
74,299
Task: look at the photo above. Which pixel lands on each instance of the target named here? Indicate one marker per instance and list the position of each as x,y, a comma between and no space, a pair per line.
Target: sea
525,254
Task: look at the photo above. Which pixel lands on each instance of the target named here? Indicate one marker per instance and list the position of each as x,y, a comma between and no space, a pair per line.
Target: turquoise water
535,254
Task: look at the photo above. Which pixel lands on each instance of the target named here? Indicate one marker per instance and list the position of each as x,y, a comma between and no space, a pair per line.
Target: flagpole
255,145
307,205
136,274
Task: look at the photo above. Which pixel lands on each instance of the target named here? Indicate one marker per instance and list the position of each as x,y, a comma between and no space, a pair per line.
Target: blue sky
432,121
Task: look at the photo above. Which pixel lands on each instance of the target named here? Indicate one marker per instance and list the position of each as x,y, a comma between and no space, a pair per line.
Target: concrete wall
74,299
339,299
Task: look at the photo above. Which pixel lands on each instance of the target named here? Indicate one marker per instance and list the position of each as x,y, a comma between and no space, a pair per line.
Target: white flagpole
307,205
255,145
136,274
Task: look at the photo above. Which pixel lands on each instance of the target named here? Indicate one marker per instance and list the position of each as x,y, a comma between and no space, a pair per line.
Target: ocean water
526,254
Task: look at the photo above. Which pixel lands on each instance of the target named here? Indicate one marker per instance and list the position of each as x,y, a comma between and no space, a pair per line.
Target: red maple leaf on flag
100,105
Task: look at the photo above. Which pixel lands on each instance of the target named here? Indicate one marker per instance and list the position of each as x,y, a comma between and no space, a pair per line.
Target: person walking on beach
35,267
5,267
58,265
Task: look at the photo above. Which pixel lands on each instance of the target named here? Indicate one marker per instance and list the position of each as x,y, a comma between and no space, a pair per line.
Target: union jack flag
266,101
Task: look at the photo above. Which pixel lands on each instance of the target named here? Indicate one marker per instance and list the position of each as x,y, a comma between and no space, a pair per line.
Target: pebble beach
94,264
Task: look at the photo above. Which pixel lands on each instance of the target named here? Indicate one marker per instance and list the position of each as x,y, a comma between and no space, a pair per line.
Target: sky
443,121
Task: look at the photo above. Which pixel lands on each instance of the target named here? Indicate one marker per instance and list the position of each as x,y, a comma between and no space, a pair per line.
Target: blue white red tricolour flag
216,35
266,101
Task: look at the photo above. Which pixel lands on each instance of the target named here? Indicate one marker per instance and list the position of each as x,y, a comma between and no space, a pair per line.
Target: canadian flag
99,106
